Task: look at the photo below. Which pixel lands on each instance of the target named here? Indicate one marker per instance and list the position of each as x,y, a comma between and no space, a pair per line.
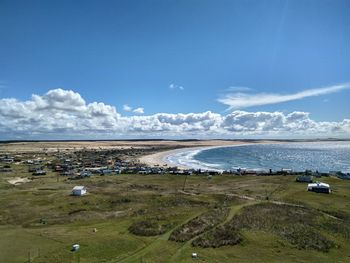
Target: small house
319,188
304,179
79,190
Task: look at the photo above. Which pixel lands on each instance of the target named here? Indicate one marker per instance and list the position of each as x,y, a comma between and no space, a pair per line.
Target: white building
319,187
79,190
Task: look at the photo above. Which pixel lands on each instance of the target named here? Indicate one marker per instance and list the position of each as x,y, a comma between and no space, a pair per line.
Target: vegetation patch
147,228
340,227
199,224
179,201
307,238
298,225
220,236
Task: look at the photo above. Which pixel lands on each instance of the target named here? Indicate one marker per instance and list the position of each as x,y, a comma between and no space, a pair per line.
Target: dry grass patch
199,224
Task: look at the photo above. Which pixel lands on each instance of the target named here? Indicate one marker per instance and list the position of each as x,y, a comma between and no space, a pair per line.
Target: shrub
220,236
199,225
297,225
147,228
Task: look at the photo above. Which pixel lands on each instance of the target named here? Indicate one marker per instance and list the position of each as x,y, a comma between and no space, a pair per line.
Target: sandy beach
148,152
53,146
159,158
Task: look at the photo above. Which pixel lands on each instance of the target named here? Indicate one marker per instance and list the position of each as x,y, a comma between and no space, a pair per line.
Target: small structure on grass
75,247
194,255
79,190
85,173
39,172
304,179
319,187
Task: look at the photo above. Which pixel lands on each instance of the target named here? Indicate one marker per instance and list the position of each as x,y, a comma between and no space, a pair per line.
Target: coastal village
80,164
84,197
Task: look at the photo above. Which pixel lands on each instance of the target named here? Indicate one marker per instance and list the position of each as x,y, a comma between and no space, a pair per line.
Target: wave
186,158
321,156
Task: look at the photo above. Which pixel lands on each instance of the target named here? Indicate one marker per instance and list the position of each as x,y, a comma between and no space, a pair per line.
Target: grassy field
148,218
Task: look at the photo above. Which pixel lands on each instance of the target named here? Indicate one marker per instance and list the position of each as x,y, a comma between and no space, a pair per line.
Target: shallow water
320,156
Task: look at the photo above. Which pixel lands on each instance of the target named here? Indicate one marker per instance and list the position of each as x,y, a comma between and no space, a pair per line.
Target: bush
338,227
199,225
307,238
297,225
220,236
147,228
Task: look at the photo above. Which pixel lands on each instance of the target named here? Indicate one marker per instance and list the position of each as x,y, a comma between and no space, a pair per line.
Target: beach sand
53,146
159,148
159,158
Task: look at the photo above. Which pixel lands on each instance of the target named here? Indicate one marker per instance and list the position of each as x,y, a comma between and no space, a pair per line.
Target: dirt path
138,254
271,201
233,211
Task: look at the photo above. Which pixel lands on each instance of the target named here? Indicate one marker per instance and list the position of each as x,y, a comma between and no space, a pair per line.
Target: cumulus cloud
65,114
173,86
126,107
138,110
240,100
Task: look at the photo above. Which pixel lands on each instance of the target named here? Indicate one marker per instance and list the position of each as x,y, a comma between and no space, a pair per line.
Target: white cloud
173,86
240,100
238,89
65,114
126,107
138,110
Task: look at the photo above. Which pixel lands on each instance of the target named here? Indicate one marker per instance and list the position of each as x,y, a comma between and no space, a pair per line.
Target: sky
174,69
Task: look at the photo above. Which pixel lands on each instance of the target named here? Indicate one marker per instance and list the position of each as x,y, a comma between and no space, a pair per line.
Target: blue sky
132,52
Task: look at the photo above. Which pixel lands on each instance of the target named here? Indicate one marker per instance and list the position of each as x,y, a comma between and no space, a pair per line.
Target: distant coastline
169,140
323,156
160,158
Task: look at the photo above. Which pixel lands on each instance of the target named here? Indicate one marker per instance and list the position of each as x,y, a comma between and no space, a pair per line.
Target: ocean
322,156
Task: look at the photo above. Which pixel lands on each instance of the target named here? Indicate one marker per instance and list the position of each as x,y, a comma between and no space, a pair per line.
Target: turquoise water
320,156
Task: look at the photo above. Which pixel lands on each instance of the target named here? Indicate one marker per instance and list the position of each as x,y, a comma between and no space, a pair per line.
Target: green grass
115,203
298,225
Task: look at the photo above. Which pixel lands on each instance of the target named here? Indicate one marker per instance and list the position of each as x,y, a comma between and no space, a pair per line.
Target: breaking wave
323,156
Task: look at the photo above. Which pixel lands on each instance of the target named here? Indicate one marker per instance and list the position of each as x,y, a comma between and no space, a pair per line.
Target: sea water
322,156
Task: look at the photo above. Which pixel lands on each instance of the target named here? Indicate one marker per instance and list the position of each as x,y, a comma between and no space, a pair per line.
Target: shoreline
159,158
